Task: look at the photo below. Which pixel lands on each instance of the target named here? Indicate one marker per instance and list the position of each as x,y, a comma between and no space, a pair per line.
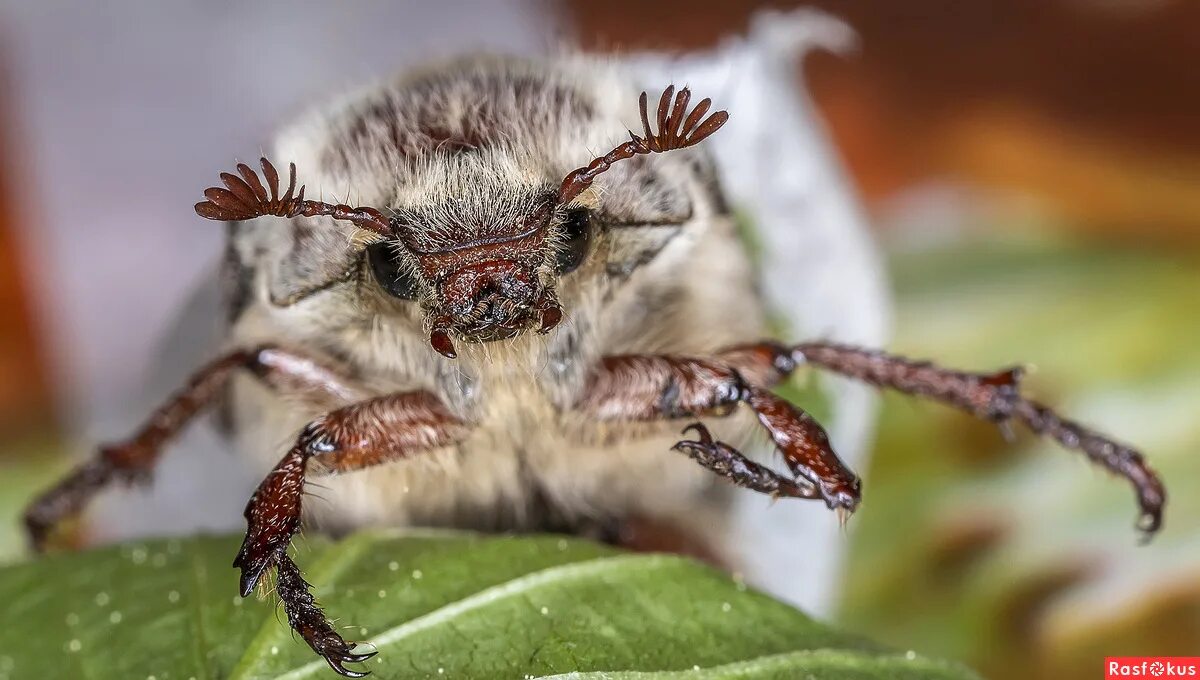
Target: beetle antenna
245,198
677,129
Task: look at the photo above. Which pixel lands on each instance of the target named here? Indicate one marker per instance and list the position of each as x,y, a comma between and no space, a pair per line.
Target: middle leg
652,387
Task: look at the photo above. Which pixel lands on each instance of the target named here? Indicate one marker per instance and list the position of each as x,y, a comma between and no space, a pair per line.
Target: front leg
649,387
990,396
351,438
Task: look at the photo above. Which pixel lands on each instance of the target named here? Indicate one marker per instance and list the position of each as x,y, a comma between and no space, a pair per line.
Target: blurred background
1030,169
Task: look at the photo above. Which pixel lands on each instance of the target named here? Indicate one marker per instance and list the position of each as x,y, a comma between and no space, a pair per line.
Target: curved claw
844,501
335,658
701,431
358,658
336,665
731,464
1150,519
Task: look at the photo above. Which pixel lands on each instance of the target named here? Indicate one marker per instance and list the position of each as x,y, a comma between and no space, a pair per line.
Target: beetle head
483,271
481,252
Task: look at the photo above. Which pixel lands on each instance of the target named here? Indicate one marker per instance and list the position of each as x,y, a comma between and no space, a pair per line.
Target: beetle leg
991,396
135,458
350,438
650,387
306,617
730,463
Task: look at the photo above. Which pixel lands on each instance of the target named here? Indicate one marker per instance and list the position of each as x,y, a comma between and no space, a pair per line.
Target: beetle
511,337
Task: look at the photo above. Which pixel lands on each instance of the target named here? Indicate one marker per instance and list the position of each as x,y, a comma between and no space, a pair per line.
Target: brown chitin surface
382,429
987,396
488,288
350,438
806,449
650,387
995,397
764,364
646,387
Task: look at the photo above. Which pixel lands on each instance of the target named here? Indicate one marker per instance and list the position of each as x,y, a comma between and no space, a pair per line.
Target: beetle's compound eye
399,281
576,238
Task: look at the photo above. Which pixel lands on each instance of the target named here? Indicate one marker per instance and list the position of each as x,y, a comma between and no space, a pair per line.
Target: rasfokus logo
1151,667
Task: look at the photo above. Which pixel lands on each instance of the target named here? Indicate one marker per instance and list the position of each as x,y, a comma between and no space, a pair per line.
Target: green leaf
434,604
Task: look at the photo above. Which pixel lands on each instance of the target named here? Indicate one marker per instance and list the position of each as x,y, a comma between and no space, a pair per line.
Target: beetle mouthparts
493,319
440,340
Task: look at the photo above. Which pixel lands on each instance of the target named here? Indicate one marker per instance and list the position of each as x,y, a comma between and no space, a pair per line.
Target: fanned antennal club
677,129
246,197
